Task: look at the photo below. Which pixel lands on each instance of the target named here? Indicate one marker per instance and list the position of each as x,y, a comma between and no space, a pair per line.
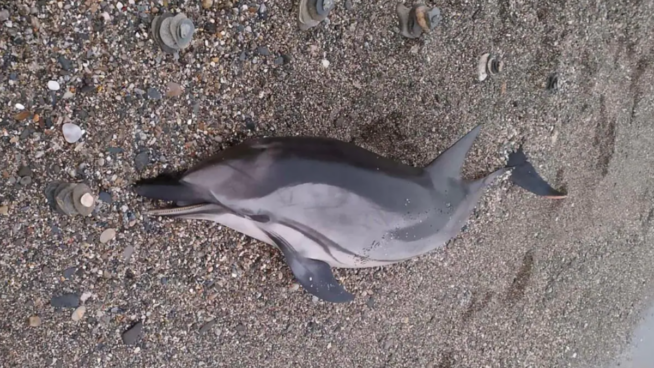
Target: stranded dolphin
326,203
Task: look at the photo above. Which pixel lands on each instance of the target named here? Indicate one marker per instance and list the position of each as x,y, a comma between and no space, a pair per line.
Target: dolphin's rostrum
326,203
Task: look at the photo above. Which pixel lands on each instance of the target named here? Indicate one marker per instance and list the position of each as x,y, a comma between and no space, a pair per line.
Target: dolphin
325,203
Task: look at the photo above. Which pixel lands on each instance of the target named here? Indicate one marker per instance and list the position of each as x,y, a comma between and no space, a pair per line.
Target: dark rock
13,76
27,180
24,171
105,197
115,150
142,160
25,133
133,334
48,122
210,28
154,94
370,302
263,51
66,64
70,300
279,60
249,123
243,56
69,272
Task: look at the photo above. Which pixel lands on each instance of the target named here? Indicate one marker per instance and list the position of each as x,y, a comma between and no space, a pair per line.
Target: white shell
72,132
481,67
53,85
87,200
20,106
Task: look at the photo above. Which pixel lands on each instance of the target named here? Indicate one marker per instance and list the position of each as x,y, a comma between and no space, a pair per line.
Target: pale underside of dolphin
326,203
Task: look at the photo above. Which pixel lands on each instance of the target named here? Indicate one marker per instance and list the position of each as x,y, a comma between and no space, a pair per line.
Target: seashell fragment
481,67
488,65
172,33
417,20
70,199
72,132
312,12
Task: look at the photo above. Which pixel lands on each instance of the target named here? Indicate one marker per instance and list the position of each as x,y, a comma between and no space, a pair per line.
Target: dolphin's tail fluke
524,175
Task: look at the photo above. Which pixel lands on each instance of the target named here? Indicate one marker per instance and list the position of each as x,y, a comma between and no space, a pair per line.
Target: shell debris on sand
70,199
172,33
72,132
488,65
417,20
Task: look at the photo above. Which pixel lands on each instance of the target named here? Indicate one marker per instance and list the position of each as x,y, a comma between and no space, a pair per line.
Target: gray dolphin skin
326,203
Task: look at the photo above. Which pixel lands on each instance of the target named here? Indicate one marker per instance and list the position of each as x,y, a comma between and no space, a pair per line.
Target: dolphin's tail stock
524,175
168,188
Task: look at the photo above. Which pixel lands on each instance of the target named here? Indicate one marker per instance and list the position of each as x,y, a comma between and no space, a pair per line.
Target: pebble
263,51
85,296
69,272
4,210
72,132
133,333
66,64
139,91
173,89
68,95
26,180
4,15
107,235
79,313
207,4
53,85
70,300
207,326
20,106
35,321
24,171
105,197
142,160
127,253
325,63
154,94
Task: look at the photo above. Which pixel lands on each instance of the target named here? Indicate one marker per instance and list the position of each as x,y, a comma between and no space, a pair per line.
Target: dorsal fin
449,163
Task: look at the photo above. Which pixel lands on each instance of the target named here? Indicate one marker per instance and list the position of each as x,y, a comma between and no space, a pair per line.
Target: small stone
13,76
154,94
142,160
107,235
85,296
27,180
53,85
79,313
263,51
105,197
4,210
69,272
22,115
207,4
279,60
4,15
325,63
348,4
173,89
68,95
20,106
87,200
72,132
132,335
207,326
70,300
315,299
127,253
24,171
35,321
66,64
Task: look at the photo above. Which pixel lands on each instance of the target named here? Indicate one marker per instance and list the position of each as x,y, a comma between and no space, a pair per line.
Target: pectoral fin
314,275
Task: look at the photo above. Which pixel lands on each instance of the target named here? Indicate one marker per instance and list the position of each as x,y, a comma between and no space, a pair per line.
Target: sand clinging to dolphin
326,203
